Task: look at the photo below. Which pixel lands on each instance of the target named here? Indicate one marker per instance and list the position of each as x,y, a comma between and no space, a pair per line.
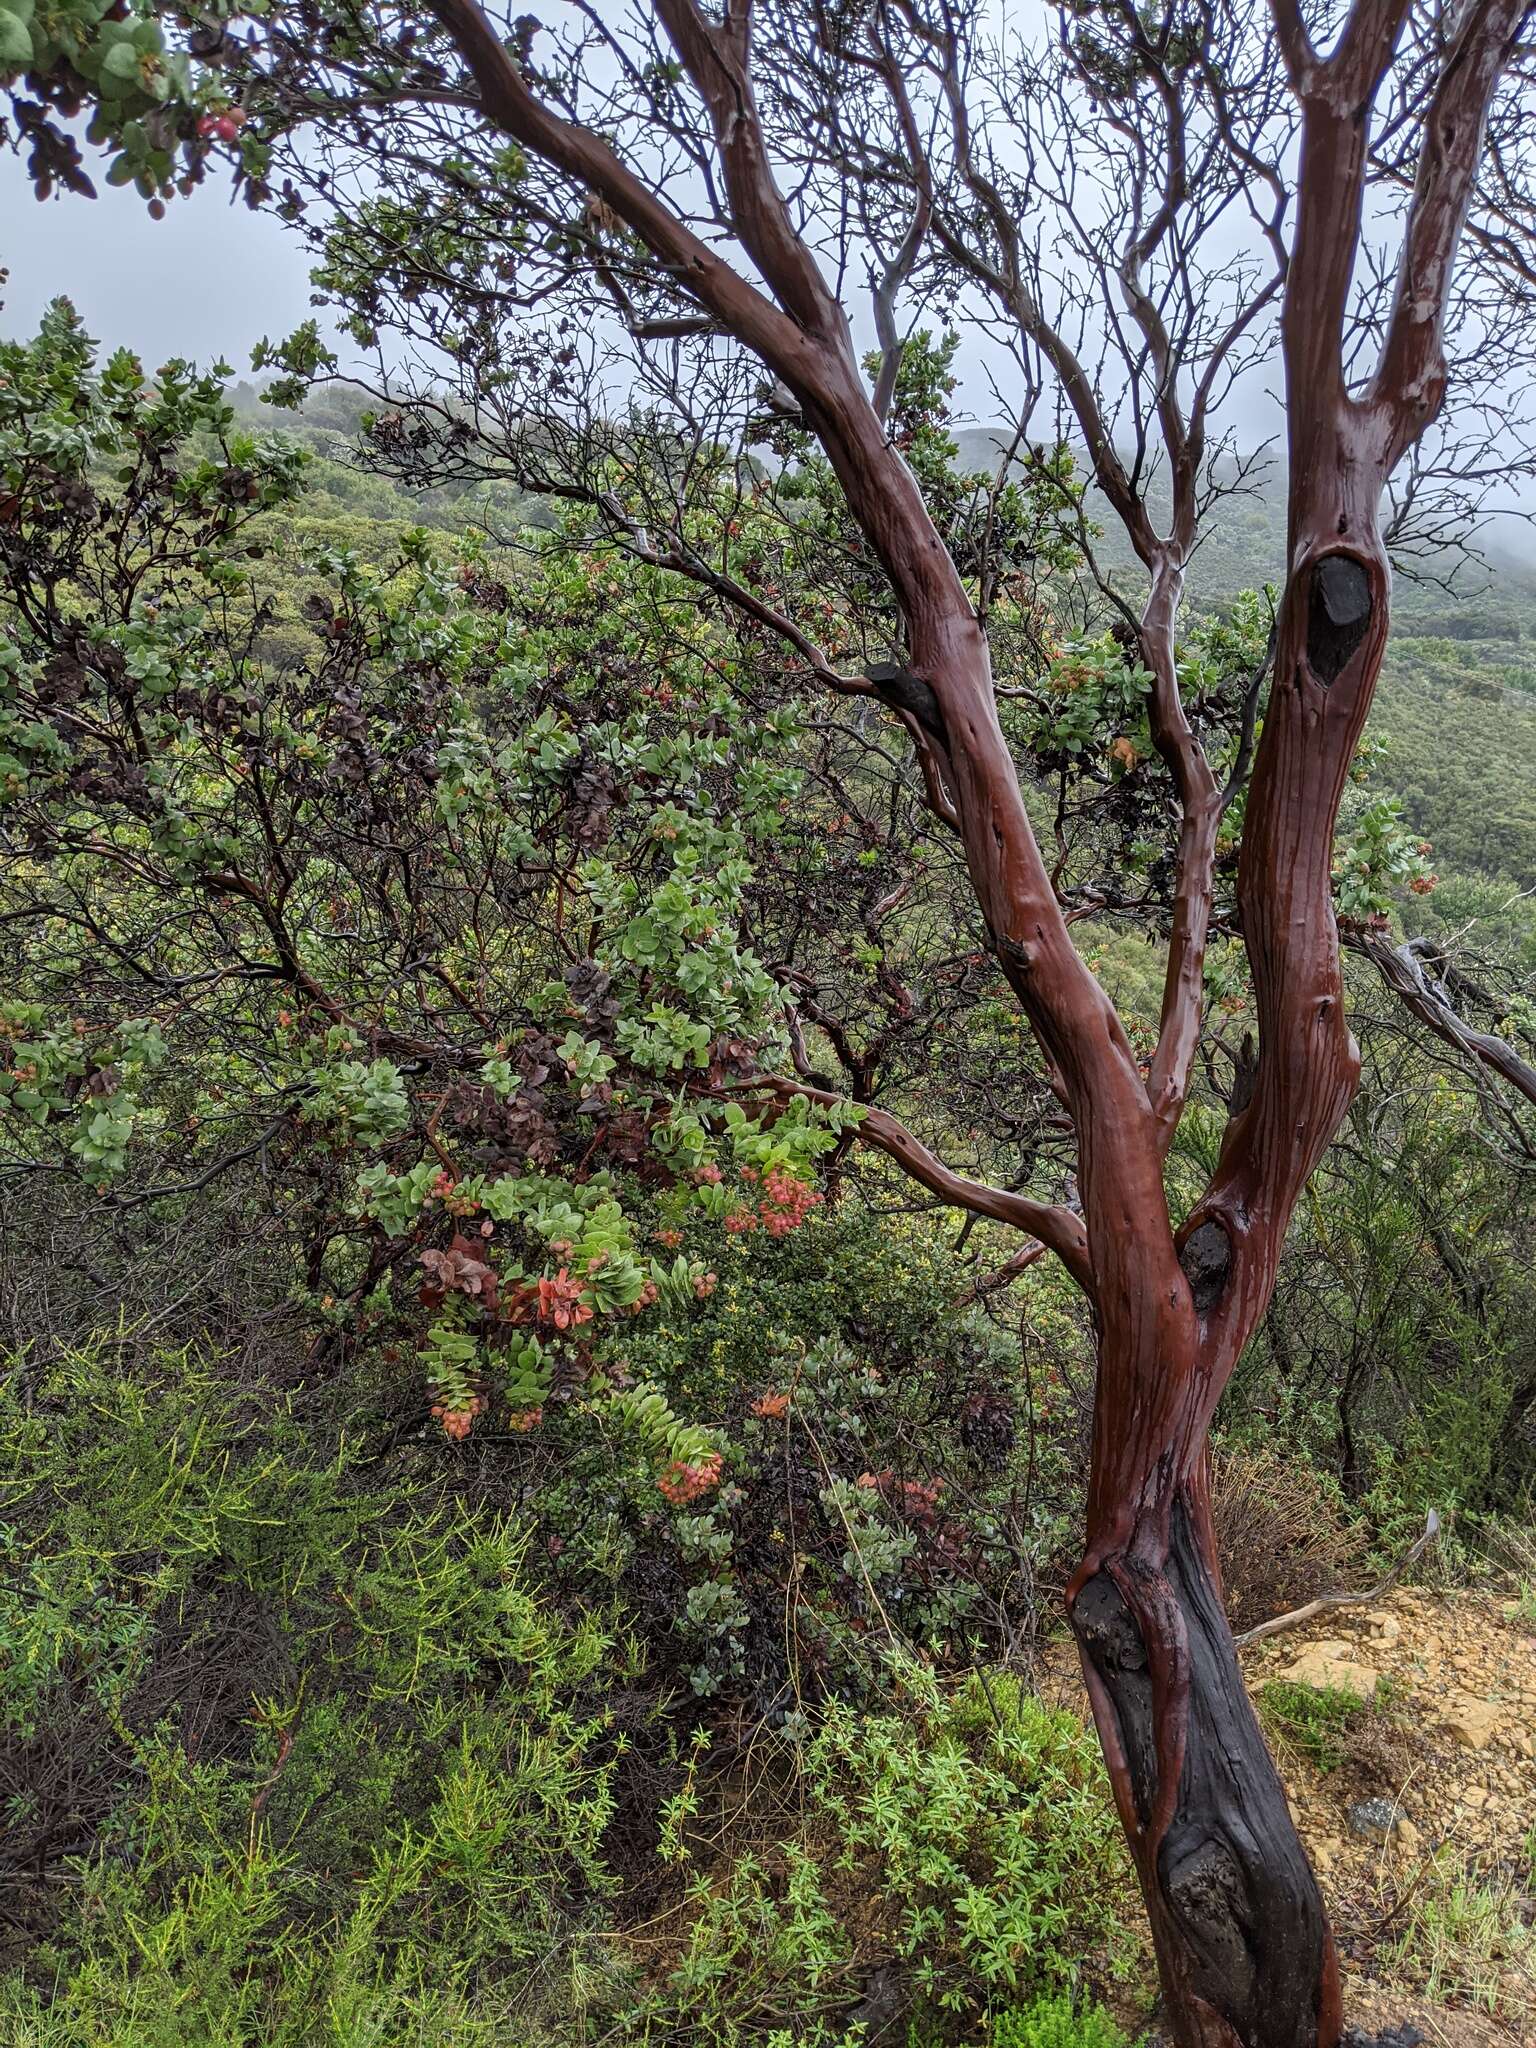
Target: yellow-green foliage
338,1769
1465,1936
388,1827
1053,2023
1313,1719
967,1835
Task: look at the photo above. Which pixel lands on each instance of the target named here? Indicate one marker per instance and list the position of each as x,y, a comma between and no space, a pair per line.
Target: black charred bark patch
1207,1260
1338,614
1112,1642
1230,1885
903,691
1234,1873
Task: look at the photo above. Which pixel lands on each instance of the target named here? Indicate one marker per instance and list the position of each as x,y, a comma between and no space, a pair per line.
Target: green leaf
121,61
15,43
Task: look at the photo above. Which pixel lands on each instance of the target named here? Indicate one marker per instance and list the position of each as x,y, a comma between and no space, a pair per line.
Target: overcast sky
212,279
209,280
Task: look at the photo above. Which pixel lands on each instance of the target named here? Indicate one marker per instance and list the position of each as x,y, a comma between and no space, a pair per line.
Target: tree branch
1410,379
1404,970
582,155
1060,1229
1327,1601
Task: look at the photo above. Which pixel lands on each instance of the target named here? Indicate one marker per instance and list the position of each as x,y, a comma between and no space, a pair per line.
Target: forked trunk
1242,1940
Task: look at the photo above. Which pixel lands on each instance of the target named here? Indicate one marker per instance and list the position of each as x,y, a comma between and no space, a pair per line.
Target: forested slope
1453,728
1454,724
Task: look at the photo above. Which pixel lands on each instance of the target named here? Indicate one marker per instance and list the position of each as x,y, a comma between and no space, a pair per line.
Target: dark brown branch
1059,1228
738,305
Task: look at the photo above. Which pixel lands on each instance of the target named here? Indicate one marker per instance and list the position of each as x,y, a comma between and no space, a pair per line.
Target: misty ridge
1482,590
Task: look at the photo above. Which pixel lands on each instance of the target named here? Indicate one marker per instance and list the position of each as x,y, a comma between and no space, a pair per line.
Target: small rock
1380,1623
1374,1818
1474,1723
1329,1667
884,2003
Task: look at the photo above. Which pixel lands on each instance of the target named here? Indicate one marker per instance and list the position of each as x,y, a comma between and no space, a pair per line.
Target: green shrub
1311,1718
966,1837
335,1772
987,1817
339,1756
1052,2023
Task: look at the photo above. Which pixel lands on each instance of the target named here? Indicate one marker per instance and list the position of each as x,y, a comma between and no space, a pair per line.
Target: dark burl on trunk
1242,1936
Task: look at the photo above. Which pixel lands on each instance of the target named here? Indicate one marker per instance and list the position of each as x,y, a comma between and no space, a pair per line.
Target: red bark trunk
1239,1927
1241,1935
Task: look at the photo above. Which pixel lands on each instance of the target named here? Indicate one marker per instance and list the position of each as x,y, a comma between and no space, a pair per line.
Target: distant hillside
341,484
1456,713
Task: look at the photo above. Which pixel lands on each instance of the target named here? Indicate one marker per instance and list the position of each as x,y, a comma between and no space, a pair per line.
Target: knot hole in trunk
896,686
1207,1260
1338,614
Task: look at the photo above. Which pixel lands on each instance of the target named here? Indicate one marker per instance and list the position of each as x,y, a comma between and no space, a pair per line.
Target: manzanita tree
1135,214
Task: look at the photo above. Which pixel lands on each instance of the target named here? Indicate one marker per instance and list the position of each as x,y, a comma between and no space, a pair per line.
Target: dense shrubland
519,1527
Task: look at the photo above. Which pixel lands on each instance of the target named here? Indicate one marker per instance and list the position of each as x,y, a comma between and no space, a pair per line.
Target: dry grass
1280,1533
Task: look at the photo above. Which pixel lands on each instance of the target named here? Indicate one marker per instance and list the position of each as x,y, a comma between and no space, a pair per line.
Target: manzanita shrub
411,886
456,913
427,909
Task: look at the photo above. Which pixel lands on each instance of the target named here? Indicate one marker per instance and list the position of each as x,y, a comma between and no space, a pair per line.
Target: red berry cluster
786,1202
222,127
457,1422
686,1478
524,1420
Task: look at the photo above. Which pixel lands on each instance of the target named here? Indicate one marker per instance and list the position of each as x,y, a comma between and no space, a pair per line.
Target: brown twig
1325,1601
